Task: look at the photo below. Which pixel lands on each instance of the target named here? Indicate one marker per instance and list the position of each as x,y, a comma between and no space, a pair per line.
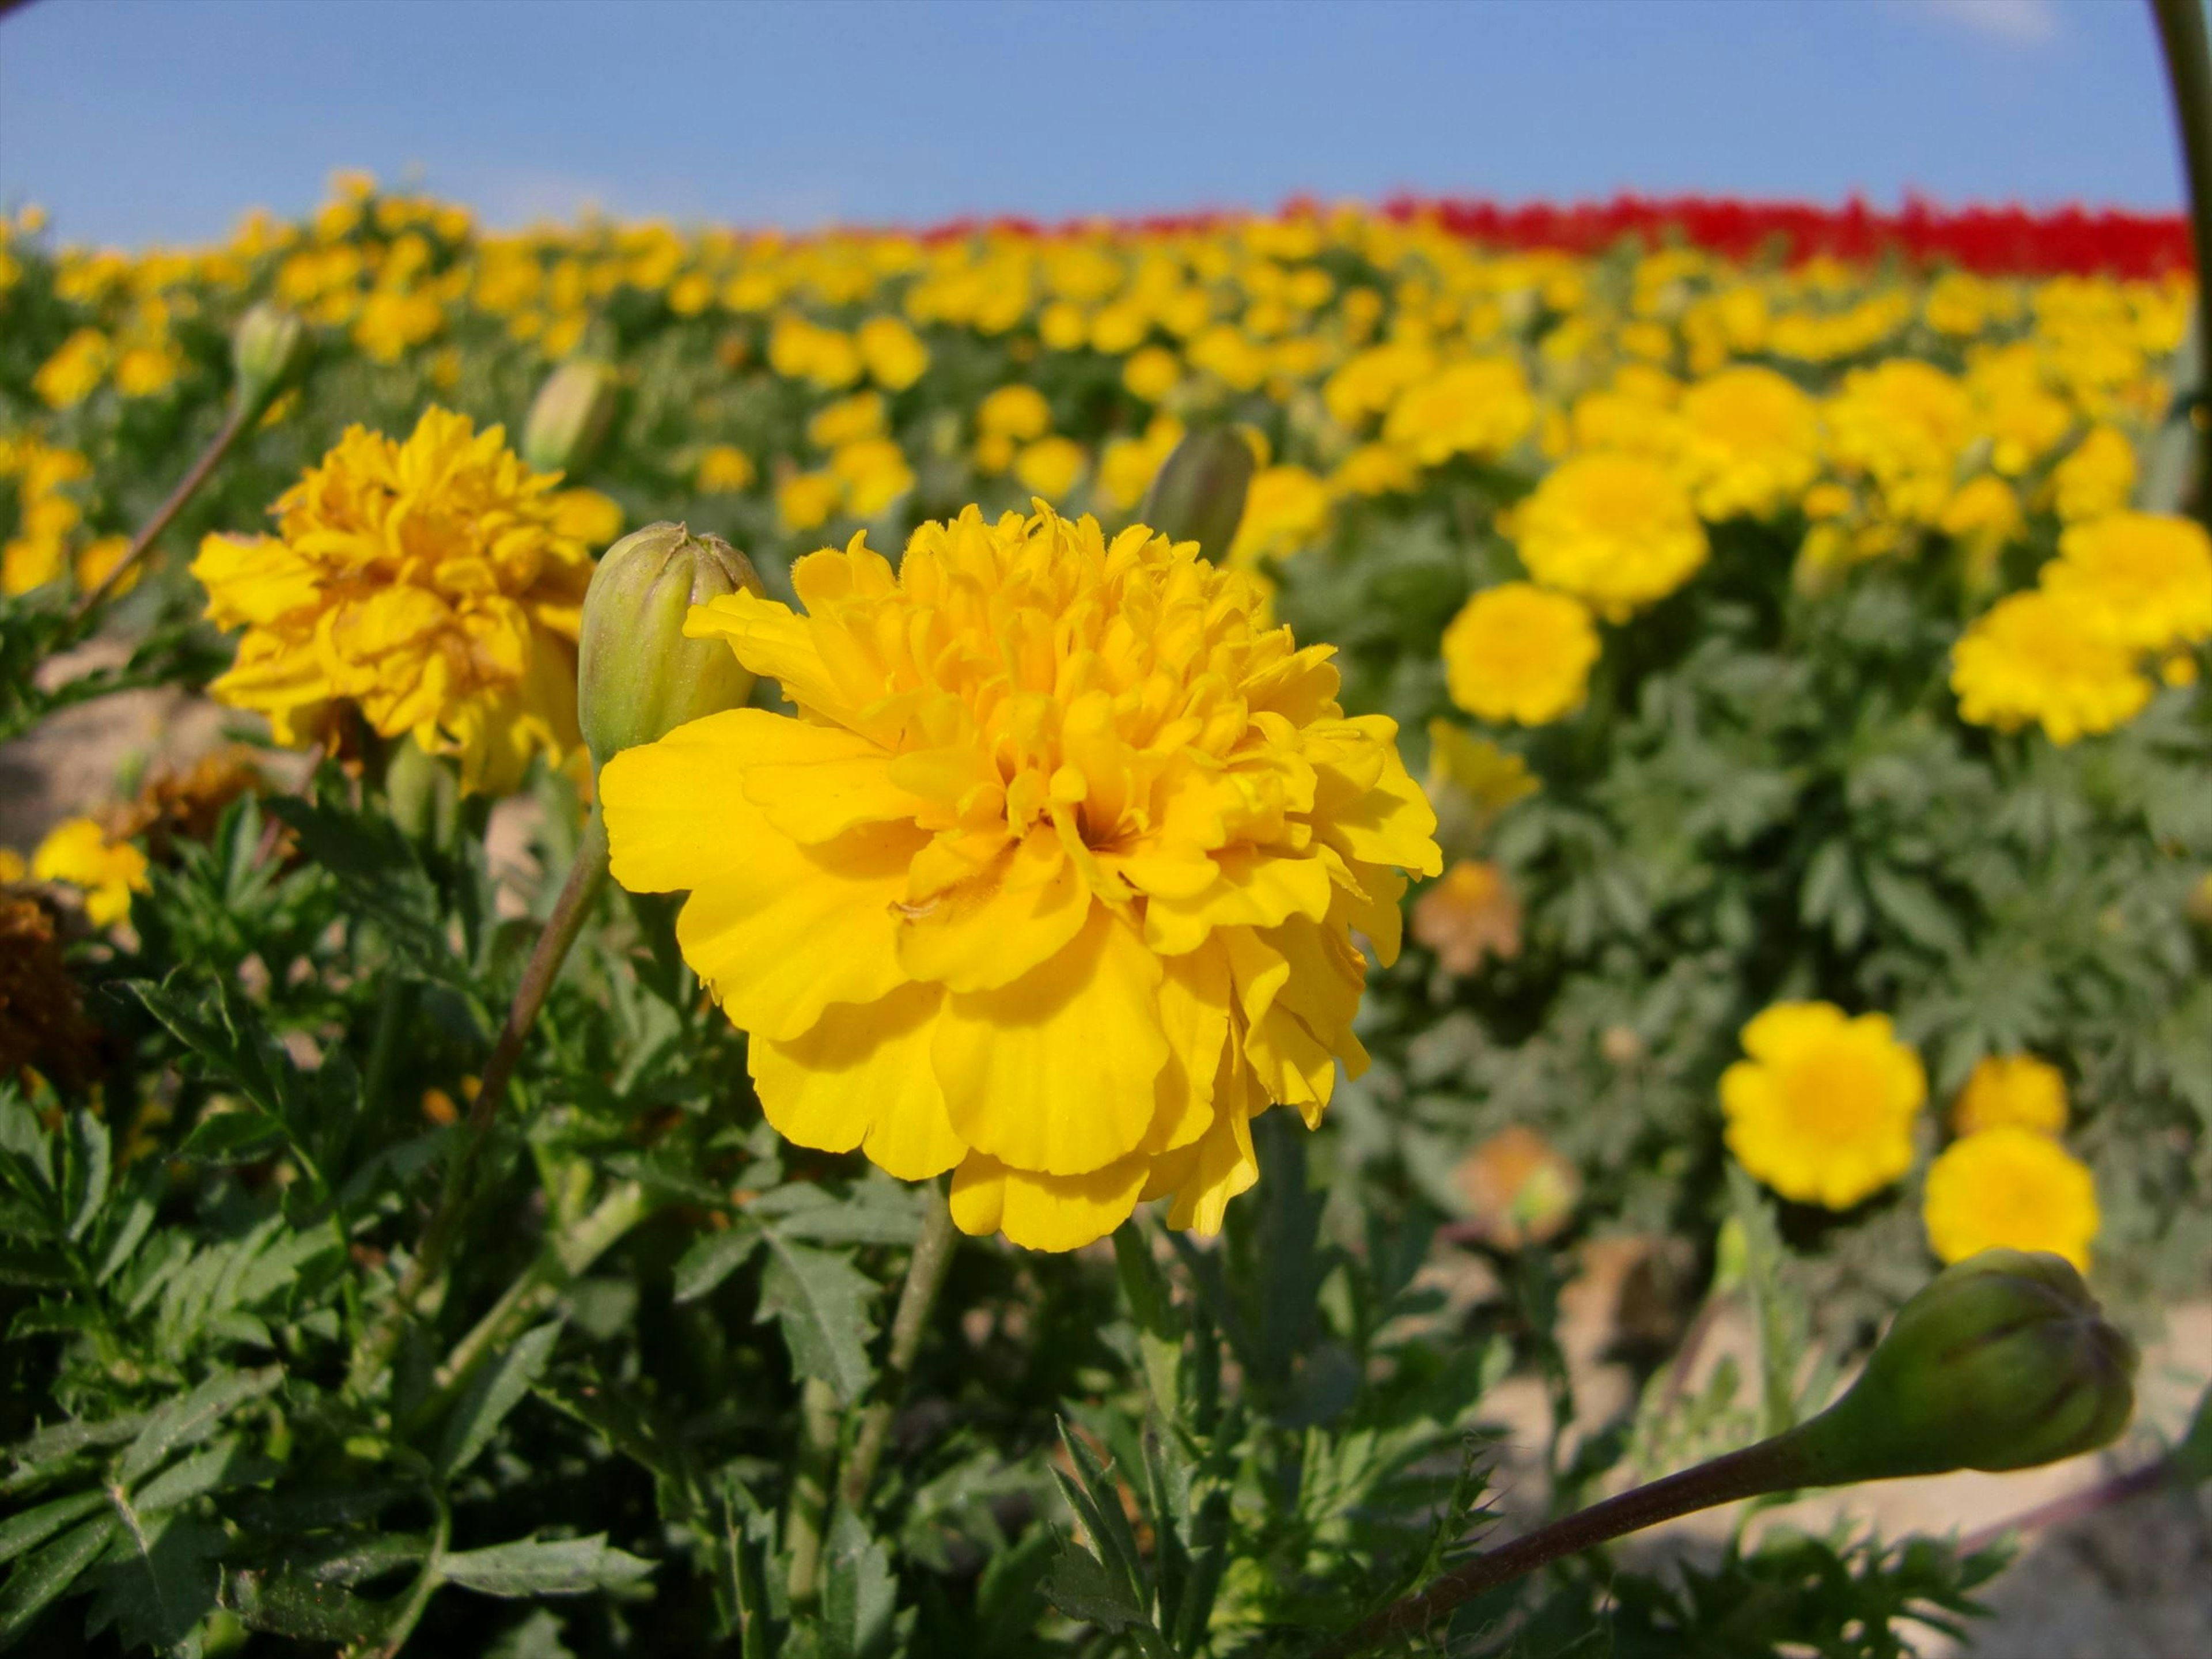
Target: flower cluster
1052,881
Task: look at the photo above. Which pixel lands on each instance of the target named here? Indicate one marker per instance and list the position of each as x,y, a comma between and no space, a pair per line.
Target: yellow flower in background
435,583
1052,884
392,324
894,354
1477,767
1050,467
12,867
874,473
1018,412
1983,518
1480,409
807,500
96,559
1748,442
1285,510
1153,374
78,852
1516,652
1616,531
1822,1110
75,371
1376,469
30,562
2097,478
2031,658
2143,579
847,421
1127,466
1903,423
724,469
2012,1189
2015,1090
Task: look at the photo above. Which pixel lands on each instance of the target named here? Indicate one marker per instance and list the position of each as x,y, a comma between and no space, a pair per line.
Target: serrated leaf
62,1440
225,1464
499,1388
245,1135
188,1421
531,1566
289,1603
872,1212
1083,1588
860,1593
156,1596
34,1527
38,1579
380,876
712,1258
126,1237
87,1169
822,1300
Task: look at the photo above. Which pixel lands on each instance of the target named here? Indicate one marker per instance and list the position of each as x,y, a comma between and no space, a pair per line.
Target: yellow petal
1042,1212
815,781
1194,1017
861,1075
670,806
1223,1164
990,931
1057,1072
1256,888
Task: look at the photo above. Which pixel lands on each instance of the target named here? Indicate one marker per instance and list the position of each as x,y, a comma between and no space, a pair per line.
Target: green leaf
380,875
1151,1307
85,1172
157,1597
712,1258
872,1212
530,1566
245,1135
822,1301
38,1579
288,1602
32,1528
498,1389
223,1464
188,1421
860,1593
1082,1587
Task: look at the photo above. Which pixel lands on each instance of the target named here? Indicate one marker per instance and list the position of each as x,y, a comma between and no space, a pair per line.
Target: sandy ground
2133,1582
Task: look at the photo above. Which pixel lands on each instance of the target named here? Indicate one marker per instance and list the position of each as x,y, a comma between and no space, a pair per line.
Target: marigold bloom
79,853
1517,651
2011,1089
1052,884
1050,467
2145,579
1285,510
1822,1111
2097,478
1480,409
75,371
723,470
1471,913
1617,531
1749,443
2010,1187
893,353
435,583
2030,656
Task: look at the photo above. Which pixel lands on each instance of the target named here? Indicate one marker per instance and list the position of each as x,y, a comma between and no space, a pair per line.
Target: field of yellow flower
1777,637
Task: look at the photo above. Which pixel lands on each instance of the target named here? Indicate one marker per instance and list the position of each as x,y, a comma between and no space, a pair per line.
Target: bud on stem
269,347
637,677
568,416
1198,495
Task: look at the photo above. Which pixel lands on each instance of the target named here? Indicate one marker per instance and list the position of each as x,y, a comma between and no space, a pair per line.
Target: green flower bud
422,794
569,416
2003,1361
637,677
269,348
1199,493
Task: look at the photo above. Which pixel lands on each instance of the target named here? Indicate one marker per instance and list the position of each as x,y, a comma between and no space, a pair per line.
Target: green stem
393,1001
925,1277
1773,1465
818,1422
569,911
2181,35
426,1584
241,415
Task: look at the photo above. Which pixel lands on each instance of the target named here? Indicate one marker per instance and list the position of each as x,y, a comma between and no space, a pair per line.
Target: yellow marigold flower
1370,381
1153,374
30,562
2097,478
2010,1187
1127,466
1018,412
724,469
1617,531
1050,466
2011,1089
2030,656
1516,652
847,420
1903,423
1376,469
1984,518
435,583
392,324
75,371
806,501
1822,1111
143,370
78,852
1285,510
1052,883
893,353
2178,671
1480,409
1749,442
96,559
875,474
2145,579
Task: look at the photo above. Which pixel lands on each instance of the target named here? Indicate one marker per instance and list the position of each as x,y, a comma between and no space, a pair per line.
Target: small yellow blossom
2143,579
78,852
1054,882
874,472
1749,443
1050,467
1376,469
1285,510
1822,1110
2010,1187
1516,652
1018,412
847,420
1616,531
724,469
435,583
2097,478
806,501
893,353
1480,409
2030,656
1153,374
75,371
2011,1089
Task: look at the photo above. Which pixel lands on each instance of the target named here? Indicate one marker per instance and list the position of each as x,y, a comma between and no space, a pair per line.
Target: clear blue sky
140,122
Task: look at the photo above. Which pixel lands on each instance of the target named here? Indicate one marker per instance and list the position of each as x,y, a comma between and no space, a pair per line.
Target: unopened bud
637,677
1199,493
2003,1361
569,416
269,348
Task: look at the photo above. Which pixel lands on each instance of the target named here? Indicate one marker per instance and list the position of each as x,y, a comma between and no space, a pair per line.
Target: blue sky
139,123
